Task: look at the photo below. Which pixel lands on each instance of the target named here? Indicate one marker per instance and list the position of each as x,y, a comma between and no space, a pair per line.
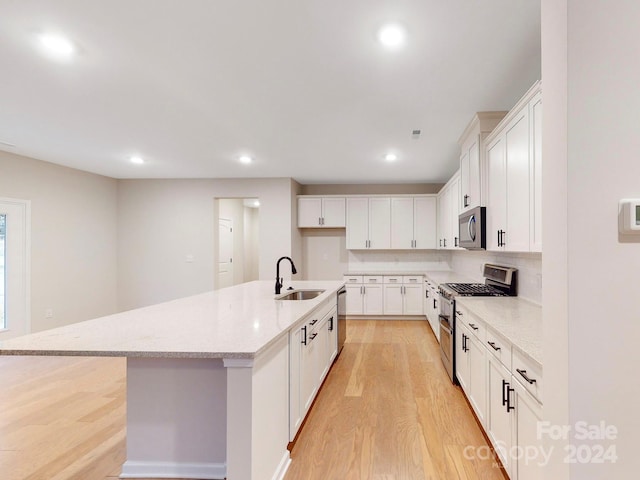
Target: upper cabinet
368,223
321,212
513,172
448,211
413,223
472,146
406,222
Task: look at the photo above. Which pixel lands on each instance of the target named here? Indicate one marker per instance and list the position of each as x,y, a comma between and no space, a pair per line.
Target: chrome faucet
278,279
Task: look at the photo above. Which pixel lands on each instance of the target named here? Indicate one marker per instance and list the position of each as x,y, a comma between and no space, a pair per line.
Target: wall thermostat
629,216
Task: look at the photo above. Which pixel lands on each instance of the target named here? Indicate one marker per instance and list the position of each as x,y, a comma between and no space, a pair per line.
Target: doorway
237,245
14,268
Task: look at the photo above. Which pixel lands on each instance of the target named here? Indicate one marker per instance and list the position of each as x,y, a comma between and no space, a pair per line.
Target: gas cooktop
474,290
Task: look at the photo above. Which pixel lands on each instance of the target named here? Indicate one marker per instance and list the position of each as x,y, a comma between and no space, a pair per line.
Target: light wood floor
386,412
389,412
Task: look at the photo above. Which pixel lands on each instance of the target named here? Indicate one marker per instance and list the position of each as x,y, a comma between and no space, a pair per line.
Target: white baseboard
208,471
282,467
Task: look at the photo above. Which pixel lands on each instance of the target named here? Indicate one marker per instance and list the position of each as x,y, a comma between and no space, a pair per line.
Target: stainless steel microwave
472,229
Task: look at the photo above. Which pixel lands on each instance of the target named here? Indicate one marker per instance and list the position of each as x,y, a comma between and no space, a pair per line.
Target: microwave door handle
471,227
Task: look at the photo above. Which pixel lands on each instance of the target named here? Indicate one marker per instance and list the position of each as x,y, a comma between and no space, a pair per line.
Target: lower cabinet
431,309
501,412
528,412
313,347
364,295
384,295
403,295
504,388
471,369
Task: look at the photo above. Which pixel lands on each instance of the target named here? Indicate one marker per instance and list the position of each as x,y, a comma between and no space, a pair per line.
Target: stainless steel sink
301,295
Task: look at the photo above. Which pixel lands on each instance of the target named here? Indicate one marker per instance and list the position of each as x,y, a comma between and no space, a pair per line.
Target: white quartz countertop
517,320
448,276
382,273
234,322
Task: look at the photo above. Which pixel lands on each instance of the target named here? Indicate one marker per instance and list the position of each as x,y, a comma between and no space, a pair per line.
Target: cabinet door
308,371
357,223
309,212
412,300
473,189
424,222
332,343
499,418
445,218
393,299
462,356
380,223
528,413
535,121
354,304
478,378
295,411
454,199
464,177
496,192
402,216
322,346
373,300
333,212
516,237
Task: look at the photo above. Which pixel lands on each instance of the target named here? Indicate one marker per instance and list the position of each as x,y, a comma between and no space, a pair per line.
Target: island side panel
176,418
258,414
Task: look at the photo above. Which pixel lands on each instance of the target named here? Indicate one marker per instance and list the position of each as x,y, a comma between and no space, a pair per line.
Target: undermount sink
301,295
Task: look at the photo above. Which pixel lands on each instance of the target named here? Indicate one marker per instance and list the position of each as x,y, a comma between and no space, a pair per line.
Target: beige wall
160,222
73,239
362,189
324,254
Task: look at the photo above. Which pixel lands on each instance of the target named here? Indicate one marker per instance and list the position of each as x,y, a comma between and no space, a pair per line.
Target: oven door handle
444,324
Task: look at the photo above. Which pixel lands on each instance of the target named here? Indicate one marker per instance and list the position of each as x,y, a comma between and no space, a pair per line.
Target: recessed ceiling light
256,203
137,160
57,46
391,157
392,36
246,159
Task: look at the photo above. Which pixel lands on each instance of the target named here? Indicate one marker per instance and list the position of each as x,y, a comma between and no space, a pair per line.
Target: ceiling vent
415,134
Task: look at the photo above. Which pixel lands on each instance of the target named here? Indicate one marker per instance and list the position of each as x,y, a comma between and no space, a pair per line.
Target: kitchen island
208,378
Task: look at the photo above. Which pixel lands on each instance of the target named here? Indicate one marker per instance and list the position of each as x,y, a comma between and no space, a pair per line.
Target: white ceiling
301,85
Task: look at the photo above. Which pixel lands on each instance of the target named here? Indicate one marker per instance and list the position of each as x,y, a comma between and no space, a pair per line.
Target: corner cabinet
321,212
513,171
472,151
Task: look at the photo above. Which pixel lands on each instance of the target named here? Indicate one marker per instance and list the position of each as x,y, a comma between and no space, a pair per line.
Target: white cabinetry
413,222
513,161
431,309
403,295
448,211
471,360
364,295
472,150
368,223
504,387
321,212
312,349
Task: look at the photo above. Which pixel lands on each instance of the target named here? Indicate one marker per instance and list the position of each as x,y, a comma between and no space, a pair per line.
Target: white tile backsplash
398,261
529,267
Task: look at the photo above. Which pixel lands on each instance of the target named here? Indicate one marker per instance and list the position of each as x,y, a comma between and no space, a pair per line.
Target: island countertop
234,322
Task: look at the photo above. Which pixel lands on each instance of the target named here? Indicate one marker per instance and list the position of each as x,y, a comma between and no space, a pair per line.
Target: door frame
25,207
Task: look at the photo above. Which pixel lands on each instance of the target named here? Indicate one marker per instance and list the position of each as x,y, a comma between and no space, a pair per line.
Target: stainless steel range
499,282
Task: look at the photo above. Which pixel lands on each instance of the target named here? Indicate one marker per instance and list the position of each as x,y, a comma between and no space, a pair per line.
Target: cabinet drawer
475,325
352,279
393,279
528,373
411,279
499,347
373,279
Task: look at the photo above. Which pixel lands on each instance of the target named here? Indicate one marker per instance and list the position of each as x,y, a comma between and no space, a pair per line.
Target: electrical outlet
48,313
189,258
